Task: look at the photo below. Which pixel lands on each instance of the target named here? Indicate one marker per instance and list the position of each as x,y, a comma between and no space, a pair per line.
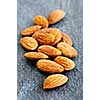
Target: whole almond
67,50
66,38
43,38
29,43
57,34
56,16
30,30
49,50
49,66
35,55
41,20
54,80
49,36
67,63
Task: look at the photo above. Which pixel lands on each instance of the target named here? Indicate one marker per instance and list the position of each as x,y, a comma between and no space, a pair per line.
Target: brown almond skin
49,50
57,34
29,43
55,16
66,38
49,66
43,38
30,30
54,81
50,36
67,63
41,20
67,50
35,55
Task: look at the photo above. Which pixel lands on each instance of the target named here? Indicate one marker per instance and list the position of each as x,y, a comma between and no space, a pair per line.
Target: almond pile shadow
44,43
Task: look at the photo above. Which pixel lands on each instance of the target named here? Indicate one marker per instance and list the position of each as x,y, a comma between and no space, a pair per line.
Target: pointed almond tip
44,86
25,55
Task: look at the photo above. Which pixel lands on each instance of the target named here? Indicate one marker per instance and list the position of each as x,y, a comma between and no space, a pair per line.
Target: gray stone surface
29,78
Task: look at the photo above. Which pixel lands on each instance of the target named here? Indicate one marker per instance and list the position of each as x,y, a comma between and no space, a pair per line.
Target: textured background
29,79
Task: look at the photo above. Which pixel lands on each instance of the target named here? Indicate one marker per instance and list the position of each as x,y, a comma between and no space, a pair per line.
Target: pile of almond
44,43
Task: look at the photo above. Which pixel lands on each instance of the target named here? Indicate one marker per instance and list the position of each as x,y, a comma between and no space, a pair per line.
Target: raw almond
67,63
49,50
56,16
41,20
67,50
29,43
49,66
57,34
30,30
54,80
43,38
66,38
49,36
35,55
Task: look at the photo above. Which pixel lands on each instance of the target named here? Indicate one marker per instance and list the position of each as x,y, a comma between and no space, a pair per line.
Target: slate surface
29,78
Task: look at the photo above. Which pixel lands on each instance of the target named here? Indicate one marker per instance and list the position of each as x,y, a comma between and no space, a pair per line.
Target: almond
30,30
66,38
29,43
43,38
56,16
41,20
35,55
67,50
49,36
49,66
57,34
67,63
49,50
54,80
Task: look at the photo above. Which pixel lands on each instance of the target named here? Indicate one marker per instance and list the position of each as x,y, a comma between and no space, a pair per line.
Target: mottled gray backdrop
29,79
